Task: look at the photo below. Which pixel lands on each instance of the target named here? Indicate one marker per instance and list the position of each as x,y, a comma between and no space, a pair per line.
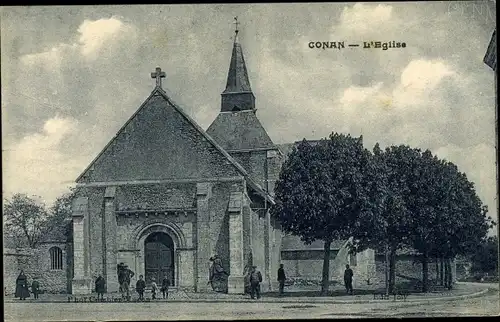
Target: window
56,258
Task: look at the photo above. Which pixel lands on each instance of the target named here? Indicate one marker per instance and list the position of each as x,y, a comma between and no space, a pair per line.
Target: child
139,287
164,286
154,289
35,288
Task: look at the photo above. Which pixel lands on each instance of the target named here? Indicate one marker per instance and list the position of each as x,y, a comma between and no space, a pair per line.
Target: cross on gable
158,74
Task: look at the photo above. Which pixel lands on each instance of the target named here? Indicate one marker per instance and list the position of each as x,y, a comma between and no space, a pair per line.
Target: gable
239,131
160,142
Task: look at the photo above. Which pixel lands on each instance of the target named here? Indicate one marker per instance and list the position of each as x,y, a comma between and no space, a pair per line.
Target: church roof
240,131
237,77
158,92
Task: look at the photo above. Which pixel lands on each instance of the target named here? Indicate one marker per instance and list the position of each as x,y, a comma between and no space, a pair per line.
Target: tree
24,219
27,221
485,258
463,218
61,211
393,225
326,192
448,217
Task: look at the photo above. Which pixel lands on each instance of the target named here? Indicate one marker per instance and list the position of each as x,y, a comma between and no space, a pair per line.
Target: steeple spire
238,94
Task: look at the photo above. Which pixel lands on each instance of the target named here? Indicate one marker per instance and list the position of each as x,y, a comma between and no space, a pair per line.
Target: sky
72,76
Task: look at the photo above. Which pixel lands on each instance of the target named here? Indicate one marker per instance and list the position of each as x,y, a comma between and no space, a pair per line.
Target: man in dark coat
124,277
35,288
281,278
100,287
255,280
348,279
22,291
140,286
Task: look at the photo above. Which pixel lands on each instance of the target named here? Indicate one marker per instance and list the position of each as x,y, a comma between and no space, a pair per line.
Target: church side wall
36,263
51,280
96,213
258,245
219,220
11,269
275,245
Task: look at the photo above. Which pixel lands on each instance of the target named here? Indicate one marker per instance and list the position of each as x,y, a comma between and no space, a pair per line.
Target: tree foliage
24,220
325,192
485,257
27,221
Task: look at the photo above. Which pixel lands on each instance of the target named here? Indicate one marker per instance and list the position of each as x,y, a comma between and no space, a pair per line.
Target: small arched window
56,258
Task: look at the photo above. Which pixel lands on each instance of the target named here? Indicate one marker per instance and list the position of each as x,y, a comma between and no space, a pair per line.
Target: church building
164,195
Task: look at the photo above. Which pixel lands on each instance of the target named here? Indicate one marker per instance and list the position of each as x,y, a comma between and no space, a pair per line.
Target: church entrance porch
159,258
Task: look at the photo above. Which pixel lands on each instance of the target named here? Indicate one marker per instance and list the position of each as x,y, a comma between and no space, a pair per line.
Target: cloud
95,34
94,37
36,164
423,74
362,18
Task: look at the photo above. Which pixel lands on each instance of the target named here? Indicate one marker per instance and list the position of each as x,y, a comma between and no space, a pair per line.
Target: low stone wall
34,263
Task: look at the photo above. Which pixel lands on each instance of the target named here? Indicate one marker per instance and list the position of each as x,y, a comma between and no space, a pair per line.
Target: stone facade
37,263
306,261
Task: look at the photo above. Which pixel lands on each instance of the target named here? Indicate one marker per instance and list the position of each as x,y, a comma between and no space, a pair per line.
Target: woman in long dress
22,291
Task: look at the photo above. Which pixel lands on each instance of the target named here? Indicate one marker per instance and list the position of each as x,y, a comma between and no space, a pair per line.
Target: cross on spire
158,75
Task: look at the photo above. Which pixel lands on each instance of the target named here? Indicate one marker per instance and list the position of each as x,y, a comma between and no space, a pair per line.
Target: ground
485,304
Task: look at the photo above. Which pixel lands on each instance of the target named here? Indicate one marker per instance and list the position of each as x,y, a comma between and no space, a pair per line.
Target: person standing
100,287
281,279
348,279
165,283
22,291
140,286
255,280
154,289
124,277
35,288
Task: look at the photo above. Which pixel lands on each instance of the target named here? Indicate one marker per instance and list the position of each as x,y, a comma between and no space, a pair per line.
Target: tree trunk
441,271
325,281
392,269
450,274
446,273
387,269
425,272
437,270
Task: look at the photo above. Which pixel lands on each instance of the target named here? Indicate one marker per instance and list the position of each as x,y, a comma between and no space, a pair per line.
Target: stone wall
308,265
408,268
36,263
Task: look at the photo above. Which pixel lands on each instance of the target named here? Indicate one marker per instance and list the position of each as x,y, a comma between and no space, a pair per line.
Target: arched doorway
159,258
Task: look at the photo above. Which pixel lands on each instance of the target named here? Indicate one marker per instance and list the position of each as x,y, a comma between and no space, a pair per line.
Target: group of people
23,286
125,275
254,278
217,279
